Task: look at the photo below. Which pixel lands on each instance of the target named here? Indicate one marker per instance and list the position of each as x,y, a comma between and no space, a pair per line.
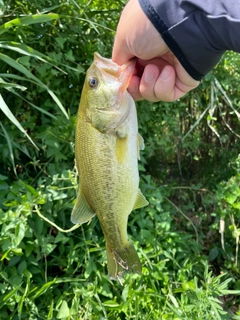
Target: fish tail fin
121,260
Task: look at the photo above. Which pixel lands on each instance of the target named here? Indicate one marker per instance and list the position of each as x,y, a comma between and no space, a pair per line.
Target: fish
107,149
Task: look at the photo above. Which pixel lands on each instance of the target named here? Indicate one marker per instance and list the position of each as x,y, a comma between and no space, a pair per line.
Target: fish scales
97,186
107,146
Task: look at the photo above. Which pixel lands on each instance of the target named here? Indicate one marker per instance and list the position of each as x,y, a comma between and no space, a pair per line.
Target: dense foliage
188,236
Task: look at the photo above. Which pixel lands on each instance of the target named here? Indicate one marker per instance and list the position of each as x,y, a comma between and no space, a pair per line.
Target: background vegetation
187,238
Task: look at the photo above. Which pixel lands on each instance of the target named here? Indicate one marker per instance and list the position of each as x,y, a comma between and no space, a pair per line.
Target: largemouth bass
107,149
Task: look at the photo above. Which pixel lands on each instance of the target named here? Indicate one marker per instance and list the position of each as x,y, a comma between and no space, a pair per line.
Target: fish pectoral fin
121,149
140,144
82,212
122,131
140,201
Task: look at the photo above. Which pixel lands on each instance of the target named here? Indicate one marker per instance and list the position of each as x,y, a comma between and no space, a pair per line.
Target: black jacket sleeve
198,32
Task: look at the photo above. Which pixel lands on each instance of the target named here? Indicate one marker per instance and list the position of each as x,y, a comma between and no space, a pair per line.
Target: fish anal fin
140,144
140,201
82,212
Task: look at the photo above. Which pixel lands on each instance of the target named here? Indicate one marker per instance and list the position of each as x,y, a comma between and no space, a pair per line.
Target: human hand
159,75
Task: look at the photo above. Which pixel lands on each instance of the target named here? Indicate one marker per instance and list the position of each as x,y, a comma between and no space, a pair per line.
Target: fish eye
93,82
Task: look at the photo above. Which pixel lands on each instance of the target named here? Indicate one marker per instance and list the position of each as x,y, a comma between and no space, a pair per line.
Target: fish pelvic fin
82,212
140,201
122,260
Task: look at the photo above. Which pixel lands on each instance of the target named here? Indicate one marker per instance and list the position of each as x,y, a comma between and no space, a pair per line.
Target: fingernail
149,75
165,74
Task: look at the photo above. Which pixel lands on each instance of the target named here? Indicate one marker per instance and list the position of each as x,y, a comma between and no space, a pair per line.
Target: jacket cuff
184,37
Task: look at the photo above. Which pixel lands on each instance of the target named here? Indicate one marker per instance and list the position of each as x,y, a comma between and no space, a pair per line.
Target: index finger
120,53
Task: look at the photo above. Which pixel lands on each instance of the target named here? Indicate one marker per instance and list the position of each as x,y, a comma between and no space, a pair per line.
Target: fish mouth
106,65
127,71
122,73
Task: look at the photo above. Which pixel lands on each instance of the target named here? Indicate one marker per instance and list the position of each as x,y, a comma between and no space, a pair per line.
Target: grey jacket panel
198,32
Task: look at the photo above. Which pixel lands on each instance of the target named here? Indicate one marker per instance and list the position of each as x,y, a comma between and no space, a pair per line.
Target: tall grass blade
28,51
11,86
212,109
33,105
11,117
227,99
29,75
36,18
195,124
8,85
6,135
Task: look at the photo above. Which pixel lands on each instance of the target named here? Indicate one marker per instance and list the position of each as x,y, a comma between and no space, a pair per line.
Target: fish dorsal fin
140,201
140,144
82,212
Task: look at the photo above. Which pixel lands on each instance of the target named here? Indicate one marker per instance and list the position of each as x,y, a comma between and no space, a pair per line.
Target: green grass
47,274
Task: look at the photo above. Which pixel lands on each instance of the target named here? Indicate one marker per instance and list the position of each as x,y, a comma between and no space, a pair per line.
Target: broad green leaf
29,188
22,266
106,291
64,311
213,254
231,197
188,285
60,41
236,205
19,233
